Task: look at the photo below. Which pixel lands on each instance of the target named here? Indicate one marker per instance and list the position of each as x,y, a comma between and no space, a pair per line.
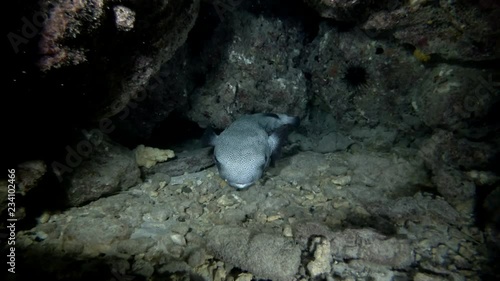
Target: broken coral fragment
149,156
124,18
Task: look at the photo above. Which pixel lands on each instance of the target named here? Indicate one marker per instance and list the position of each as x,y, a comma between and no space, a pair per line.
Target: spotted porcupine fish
249,145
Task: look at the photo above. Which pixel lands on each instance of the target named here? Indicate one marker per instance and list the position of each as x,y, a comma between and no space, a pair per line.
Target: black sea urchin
355,76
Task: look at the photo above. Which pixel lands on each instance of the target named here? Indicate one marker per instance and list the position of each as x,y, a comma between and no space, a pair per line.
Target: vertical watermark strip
223,6
11,220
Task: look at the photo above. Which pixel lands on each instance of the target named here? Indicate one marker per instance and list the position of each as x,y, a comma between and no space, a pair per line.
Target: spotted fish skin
249,145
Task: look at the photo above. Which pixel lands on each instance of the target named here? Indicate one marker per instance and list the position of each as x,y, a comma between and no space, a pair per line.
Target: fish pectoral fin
276,140
275,145
208,138
293,121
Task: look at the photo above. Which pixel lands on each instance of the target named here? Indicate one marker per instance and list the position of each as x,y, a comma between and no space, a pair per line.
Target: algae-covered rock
30,174
256,71
109,168
265,255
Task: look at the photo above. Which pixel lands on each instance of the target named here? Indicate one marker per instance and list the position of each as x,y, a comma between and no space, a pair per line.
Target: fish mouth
240,185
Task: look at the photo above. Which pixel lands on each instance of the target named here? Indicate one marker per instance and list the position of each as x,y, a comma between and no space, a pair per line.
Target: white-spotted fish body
248,146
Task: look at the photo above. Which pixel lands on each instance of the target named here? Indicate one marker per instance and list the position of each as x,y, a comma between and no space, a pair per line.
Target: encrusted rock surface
105,168
303,220
190,161
255,72
342,10
452,98
81,33
355,78
454,30
30,174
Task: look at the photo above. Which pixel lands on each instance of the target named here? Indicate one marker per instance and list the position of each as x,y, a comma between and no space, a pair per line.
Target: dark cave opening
296,12
174,132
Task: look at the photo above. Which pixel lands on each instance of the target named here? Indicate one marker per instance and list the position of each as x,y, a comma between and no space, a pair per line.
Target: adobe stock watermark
75,155
223,6
484,89
29,29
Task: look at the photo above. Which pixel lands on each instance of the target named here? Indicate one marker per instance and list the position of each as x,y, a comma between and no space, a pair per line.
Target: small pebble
287,231
178,239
